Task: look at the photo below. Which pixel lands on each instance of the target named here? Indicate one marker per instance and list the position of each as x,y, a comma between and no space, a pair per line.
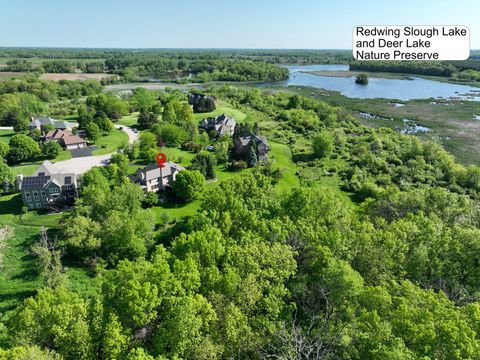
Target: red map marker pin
161,158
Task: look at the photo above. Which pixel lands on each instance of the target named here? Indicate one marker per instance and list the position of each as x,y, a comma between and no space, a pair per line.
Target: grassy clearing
222,107
129,120
25,169
176,211
5,135
282,156
111,142
6,75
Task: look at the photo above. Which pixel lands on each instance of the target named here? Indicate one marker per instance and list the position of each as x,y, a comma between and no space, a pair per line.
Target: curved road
83,164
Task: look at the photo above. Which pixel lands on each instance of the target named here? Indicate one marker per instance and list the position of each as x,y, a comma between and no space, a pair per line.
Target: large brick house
153,178
50,187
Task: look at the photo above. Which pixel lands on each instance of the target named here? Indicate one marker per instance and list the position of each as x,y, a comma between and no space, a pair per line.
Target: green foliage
188,185
4,149
22,148
109,224
322,144
55,319
170,134
361,79
93,132
113,107
143,100
48,260
147,119
17,108
205,164
148,141
51,149
151,199
7,178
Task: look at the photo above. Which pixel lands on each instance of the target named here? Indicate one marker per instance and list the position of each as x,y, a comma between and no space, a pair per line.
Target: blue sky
310,24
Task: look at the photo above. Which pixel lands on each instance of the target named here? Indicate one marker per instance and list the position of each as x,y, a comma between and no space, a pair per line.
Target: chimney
19,181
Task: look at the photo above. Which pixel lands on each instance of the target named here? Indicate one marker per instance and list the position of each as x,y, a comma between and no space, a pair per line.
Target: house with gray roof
153,178
50,187
42,121
243,143
222,125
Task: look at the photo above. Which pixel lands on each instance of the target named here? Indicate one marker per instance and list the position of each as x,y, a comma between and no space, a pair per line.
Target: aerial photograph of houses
239,180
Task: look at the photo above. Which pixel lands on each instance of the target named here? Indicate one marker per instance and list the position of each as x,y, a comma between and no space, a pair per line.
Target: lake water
417,88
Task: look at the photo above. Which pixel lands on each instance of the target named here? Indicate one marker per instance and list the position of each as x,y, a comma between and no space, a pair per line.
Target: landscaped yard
111,142
5,135
222,107
129,120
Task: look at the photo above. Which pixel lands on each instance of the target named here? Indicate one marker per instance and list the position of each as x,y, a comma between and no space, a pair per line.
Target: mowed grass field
111,142
5,135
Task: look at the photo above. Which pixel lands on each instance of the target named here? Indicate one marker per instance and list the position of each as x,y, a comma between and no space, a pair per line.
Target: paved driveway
132,136
83,164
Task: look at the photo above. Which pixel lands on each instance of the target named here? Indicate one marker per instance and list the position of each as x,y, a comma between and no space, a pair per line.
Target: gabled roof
47,174
152,171
73,139
56,134
42,121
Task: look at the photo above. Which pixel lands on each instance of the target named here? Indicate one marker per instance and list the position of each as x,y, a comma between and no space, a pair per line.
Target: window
35,195
53,190
38,205
44,196
27,196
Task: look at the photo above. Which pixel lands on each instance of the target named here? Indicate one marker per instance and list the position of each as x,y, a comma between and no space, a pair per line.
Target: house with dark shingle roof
243,143
222,124
50,187
153,178
42,121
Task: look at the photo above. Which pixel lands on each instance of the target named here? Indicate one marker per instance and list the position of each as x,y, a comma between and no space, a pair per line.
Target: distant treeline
407,67
265,55
468,70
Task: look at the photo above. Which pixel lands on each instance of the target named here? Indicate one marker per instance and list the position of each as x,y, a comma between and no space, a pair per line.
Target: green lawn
25,169
175,211
129,120
18,276
111,142
63,155
282,156
5,135
222,107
